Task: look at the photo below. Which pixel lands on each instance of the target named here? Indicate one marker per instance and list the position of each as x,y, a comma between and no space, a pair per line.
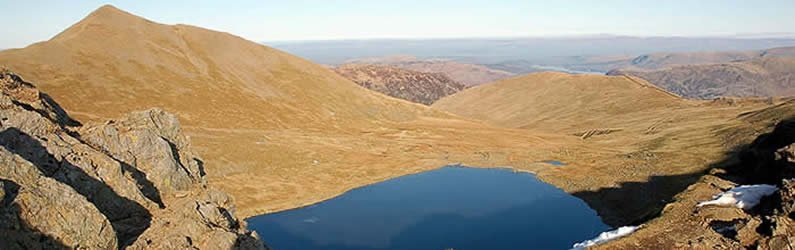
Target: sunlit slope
275,130
658,143
113,62
561,102
279,132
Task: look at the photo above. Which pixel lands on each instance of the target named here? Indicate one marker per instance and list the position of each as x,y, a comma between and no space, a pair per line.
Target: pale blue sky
29,21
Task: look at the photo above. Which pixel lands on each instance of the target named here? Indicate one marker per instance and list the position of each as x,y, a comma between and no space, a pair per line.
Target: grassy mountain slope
763,76
276,131
658,143
279,132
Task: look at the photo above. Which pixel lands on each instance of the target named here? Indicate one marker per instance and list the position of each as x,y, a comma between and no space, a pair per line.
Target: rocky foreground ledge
133,182
697,220
769,160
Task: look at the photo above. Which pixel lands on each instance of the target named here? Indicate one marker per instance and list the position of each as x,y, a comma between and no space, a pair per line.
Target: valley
278,132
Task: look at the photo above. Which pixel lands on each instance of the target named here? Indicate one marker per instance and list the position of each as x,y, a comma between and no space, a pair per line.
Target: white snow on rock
743,197
606,236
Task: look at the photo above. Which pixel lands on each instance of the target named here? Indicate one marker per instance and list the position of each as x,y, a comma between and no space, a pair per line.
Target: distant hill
536,50
653,61
664,60
561,101
626,114
419,87
765,75
469,74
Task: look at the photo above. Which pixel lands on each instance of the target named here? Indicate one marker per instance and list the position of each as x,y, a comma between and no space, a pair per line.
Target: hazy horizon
422,20
542,51
761,35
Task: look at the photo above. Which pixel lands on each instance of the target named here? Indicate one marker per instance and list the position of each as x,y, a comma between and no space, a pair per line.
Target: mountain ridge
761,76
545,89
469,74
419,87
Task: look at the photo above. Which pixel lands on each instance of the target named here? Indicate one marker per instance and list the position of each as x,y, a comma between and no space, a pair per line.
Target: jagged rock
204,223
782,228
28,97
105,185
50,215
149,141
747,234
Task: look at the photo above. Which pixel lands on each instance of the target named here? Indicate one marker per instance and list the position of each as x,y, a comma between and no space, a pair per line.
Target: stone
747,235
41,212
131,182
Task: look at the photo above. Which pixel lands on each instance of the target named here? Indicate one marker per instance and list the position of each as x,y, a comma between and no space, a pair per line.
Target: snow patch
743,197
606,236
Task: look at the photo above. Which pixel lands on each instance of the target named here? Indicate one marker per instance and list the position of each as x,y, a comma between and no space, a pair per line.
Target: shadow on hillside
758,162
128,218
16,233
633,203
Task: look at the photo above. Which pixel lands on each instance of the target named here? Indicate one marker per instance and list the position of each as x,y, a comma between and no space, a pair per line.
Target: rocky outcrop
419,87
132,182
696,219
769,225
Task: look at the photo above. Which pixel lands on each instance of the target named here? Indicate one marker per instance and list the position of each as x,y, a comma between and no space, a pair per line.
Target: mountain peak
108,7
107,15
109,12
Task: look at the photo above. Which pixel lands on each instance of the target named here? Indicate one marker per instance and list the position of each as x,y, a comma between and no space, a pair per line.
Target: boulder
106,185
149,142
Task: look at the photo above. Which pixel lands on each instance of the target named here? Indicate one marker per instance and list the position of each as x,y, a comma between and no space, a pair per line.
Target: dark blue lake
451,207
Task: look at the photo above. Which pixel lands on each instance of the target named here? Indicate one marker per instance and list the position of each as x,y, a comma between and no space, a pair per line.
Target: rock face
767,76
409,85
131,182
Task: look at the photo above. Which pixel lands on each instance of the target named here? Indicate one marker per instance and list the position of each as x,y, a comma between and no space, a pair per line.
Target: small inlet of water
451,207
556,163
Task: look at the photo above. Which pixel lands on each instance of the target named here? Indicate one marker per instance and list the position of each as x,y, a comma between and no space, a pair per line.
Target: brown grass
261,117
